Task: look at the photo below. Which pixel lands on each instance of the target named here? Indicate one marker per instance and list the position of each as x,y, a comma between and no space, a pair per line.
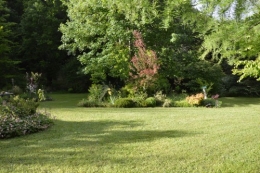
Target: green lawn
160,140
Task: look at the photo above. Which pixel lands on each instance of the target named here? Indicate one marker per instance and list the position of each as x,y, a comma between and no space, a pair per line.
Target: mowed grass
109,140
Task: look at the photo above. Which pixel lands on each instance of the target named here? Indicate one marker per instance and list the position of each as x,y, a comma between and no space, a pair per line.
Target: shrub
19,107
11,126
150,102
195,99
124,103
181,103
95,92
19,117
128,91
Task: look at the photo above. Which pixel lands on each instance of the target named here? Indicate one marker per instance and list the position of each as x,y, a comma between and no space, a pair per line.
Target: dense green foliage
234,36
20,117
7,62
186,45
150,102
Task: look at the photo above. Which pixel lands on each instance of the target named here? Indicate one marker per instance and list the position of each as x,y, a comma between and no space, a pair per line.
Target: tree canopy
234,36
192,40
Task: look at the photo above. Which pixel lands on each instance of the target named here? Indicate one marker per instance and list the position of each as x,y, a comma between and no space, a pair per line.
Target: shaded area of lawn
82,143
140,139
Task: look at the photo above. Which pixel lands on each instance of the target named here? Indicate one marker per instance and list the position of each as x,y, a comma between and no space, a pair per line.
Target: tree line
189,44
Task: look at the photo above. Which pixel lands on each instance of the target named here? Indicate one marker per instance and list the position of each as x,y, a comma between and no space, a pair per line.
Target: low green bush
19,107
150,102
11,126
182,103
125,103
19,117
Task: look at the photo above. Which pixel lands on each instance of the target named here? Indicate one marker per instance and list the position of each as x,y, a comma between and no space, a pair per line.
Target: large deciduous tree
100,33
234,35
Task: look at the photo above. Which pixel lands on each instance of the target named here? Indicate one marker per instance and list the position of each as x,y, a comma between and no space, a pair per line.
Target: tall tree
99,33
41,38
234,35
7,63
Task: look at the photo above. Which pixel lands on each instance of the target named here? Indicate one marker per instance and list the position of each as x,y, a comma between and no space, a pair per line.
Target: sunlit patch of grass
140,140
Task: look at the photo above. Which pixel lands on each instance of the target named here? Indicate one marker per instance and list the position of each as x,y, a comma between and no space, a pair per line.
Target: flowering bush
195,99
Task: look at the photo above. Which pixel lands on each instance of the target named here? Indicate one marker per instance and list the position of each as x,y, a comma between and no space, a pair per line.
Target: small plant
95,92
113,95
32,81
41,95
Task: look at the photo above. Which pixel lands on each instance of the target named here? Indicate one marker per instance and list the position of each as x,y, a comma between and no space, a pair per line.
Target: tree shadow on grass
116,132
81,143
